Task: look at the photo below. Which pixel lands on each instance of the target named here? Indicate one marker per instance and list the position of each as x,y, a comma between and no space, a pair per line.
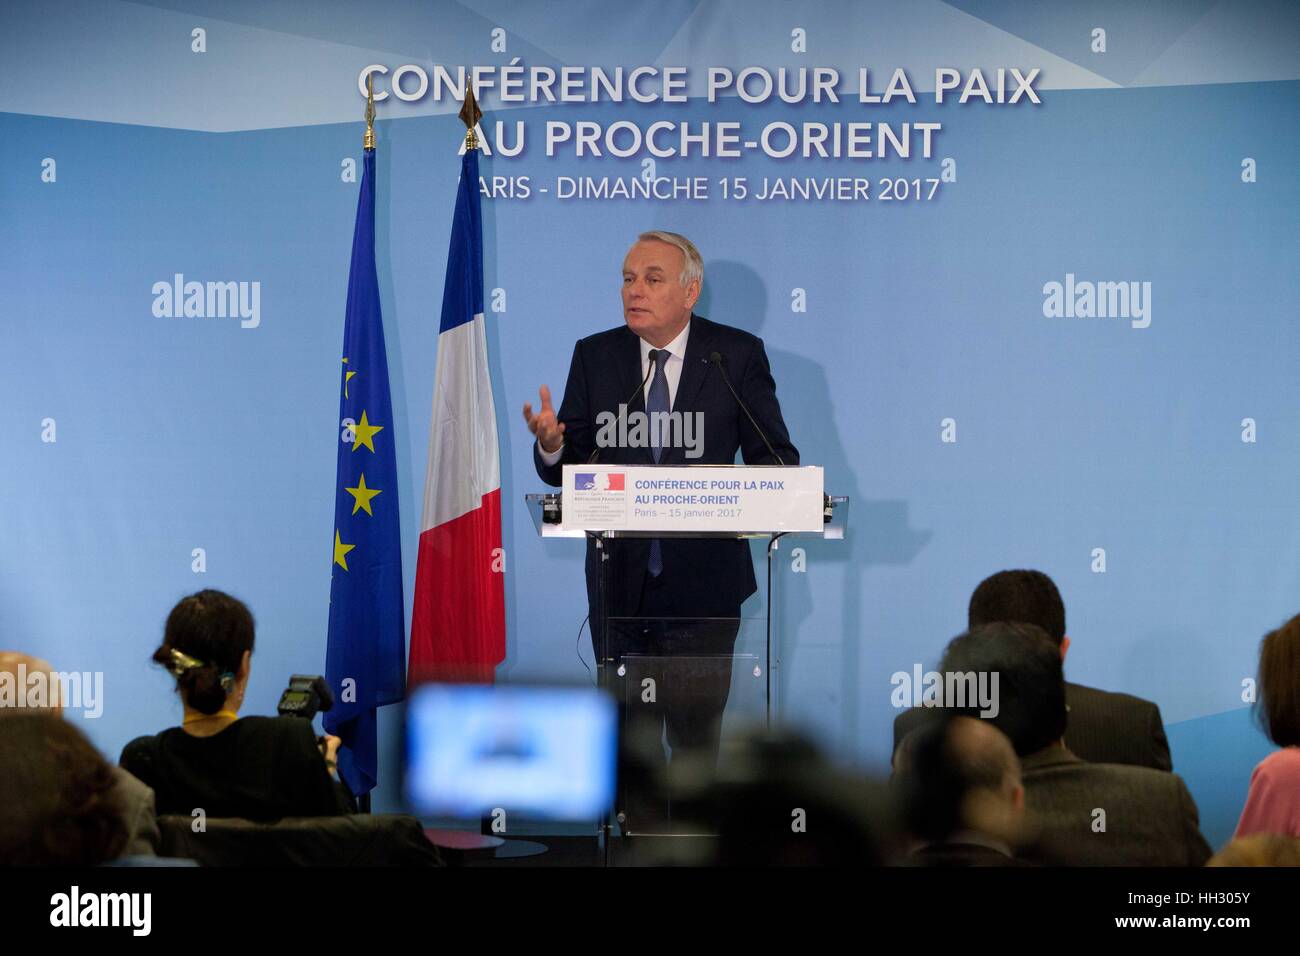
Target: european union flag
365,655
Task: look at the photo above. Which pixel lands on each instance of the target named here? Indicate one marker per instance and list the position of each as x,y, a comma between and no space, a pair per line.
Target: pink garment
1273,803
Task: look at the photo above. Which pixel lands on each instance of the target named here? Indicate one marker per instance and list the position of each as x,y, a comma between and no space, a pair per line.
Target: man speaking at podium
683,363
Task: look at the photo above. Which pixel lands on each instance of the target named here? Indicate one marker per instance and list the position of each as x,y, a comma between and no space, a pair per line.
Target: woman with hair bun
256,768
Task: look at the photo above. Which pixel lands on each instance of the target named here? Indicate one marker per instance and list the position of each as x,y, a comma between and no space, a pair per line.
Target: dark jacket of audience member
1088,814
1104,727
139,813
1149,816
59,804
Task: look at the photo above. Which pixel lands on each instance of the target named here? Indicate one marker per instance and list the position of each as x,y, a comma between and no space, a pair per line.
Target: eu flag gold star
341,550
364,432
362,494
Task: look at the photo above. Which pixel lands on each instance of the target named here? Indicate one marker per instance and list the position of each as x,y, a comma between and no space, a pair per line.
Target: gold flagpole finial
470,114
370,112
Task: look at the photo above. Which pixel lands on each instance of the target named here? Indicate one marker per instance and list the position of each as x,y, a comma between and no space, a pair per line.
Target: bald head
960,773
28,684
983,755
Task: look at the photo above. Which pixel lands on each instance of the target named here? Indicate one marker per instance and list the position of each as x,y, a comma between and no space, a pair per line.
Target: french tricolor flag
458,629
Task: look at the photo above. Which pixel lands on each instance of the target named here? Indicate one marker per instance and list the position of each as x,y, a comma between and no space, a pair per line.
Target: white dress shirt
676,350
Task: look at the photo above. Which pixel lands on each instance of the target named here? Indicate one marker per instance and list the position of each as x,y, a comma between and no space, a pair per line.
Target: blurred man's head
59,798
1031,684
775,799
662,275
28,684
1026,596
960,774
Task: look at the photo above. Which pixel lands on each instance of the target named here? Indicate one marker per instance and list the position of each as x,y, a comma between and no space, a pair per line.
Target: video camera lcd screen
540,752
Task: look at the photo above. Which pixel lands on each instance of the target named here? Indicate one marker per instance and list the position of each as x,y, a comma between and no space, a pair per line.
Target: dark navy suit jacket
710,577
1102,727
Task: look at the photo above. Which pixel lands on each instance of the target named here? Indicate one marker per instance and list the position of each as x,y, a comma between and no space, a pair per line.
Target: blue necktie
657,401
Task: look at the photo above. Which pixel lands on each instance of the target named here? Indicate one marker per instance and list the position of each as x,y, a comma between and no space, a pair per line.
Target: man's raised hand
548,429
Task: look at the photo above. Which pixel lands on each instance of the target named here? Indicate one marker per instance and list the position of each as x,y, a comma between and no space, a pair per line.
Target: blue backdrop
128,155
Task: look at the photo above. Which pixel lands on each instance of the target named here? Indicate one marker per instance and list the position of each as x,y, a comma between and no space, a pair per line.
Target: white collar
676,347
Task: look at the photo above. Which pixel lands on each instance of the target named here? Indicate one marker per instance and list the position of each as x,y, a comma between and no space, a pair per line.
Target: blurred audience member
1104,727
776,801
256,768
1273,801
1085,813
1259,849
958,782
60,798
133,797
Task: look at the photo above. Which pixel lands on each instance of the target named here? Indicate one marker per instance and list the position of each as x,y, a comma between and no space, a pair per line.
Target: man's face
656,306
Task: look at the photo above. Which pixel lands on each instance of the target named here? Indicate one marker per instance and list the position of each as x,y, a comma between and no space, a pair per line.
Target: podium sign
692,499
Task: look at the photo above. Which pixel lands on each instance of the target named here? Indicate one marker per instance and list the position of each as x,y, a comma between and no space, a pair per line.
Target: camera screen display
545,753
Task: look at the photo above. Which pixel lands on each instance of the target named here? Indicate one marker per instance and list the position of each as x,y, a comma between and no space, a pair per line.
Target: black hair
215,629
1027,596
1031,683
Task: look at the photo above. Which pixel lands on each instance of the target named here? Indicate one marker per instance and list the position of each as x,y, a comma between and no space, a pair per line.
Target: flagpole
368,145
470,114
460,843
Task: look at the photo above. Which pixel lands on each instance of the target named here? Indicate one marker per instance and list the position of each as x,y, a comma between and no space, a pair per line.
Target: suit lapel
627,358
695,366
694,370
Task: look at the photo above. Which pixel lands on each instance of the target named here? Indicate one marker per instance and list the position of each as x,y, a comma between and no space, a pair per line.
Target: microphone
715,358
649,368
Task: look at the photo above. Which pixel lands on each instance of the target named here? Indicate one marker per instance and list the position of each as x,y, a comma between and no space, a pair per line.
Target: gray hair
692,264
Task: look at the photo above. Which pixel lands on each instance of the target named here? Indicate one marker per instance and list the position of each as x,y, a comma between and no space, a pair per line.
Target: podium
677,678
